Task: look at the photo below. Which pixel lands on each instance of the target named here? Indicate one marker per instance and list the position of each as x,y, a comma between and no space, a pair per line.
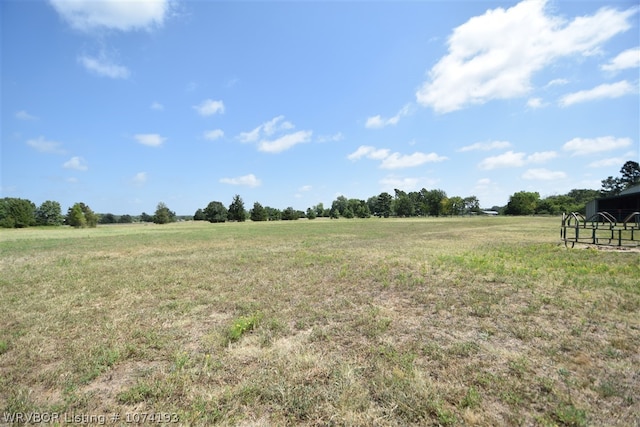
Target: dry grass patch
474,321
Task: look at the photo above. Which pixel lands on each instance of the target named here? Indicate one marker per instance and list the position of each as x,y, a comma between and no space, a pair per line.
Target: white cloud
506,160
157,106
614,161
394,160
140,178
613,90
77,163
369,152
305,188
89,15
23,115
541,157
45,146
557,82
585,146
630,58
267,128
494,56
212,135
535,103
209,107
398,161
330,138
103,67
377,122
246,180
285,142
515,160
275,126
485,146
150,139
543,175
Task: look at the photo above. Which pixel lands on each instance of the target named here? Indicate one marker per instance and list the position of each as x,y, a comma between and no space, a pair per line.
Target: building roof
631,190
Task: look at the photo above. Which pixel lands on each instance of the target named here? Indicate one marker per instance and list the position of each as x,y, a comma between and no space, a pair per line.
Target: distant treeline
19,213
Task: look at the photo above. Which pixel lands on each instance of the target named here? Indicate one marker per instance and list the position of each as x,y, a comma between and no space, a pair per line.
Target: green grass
451,321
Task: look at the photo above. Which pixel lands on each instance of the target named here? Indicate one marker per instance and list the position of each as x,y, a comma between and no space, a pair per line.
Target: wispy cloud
214,134
76,163
630,58
157,106
104,67
485,146
209,107
482,64
330,138
113,15
150,139
246,180
23,115
278,127
585,146
395,160
613,90
45,146
511,159
377,122
140,178
285,142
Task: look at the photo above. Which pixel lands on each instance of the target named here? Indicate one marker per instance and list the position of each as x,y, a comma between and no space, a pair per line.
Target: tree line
19,213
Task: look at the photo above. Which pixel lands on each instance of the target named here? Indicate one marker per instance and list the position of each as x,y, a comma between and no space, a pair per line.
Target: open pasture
451,321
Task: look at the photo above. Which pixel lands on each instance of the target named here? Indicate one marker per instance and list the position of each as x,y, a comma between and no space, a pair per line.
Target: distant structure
610,221
620,206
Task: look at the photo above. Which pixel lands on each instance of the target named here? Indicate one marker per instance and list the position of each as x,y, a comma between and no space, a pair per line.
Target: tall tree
163,214
630,172
17,213
215,212
75,216
383,207
523,203
258,213
236,210
199,215
49,213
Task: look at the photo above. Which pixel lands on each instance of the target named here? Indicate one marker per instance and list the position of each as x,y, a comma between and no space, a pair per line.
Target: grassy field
474,321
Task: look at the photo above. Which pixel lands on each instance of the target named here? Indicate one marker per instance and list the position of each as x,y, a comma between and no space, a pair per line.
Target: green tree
236,210
471,204
125,219
49,213
81,215
145,217
383,207
403,205
523,203
258,213
289,214
630,176
311,213
163,214
433,199
18,213
75,216
319,208
215,212
108,218
199,215
630,172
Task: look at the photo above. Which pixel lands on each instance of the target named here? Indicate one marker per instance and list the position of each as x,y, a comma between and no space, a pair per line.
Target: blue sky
123,104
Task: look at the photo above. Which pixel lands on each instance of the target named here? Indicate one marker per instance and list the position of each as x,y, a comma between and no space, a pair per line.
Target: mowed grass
465,321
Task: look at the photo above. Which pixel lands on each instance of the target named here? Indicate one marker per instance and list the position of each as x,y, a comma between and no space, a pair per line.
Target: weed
241,326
